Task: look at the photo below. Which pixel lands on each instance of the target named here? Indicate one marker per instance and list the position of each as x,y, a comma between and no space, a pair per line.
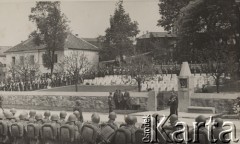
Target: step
197,109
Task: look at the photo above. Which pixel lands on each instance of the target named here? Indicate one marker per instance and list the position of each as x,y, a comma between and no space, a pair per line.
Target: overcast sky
88,18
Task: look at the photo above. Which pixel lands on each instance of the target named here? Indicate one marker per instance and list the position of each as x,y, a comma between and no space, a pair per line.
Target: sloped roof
3,49
71,42
156,34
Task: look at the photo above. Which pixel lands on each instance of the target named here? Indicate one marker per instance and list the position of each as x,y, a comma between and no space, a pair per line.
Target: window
13,60
32,59
21,59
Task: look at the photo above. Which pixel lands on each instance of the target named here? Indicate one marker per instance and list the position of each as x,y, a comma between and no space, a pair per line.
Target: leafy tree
169,11
51,30
208,33
140,68
76,64
119,36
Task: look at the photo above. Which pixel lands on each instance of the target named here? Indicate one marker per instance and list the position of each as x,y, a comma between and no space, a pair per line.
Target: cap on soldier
38,117
112,116
63,114
47,113
173,118
219,121
32,113
8,115
72,118
54,117
2,116
76,113
13,111
95,118
22,116
200,118
129,119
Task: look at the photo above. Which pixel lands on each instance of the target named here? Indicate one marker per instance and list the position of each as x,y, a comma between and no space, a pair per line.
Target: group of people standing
119,100
43,82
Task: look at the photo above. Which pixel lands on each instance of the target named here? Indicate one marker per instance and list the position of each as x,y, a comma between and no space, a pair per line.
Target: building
3,61
160,44
36,53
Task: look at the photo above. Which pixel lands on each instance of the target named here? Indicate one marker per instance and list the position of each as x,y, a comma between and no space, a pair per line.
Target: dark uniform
110,103
79,109
173,103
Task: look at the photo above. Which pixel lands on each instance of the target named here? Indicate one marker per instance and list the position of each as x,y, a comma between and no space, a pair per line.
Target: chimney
76,35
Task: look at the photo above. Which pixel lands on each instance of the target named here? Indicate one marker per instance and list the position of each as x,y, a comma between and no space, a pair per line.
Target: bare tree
76,64
139,68
25,69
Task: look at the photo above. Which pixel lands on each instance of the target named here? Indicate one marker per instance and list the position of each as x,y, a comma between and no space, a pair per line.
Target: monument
185,87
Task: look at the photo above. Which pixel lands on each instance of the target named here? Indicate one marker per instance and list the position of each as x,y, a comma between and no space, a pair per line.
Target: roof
71,42
3,49
156,34
93,41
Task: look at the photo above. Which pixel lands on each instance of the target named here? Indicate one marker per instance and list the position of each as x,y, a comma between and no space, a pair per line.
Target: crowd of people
119,100
43,82
35,128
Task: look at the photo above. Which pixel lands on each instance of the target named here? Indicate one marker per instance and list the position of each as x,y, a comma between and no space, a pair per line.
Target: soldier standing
120,99
173,103
126,100
115,98
110,102
79,109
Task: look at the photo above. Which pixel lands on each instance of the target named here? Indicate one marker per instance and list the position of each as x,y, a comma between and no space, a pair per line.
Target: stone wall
64,100
221,101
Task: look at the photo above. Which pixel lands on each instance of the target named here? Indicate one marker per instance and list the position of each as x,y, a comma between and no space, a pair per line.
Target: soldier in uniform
94,125
110,102
218,132
200,134
79,109
115,98
13,111
173,103
126,100
112,116
4,129
46,118
32,115
9,116
63,115
75,138
120,99
50,131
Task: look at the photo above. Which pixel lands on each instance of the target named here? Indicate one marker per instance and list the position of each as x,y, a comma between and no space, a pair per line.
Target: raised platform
166,112
197,109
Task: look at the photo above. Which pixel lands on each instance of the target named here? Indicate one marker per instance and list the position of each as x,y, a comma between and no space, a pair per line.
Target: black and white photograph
119,71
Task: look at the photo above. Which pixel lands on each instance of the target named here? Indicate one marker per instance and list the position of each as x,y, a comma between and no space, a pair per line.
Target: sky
88,18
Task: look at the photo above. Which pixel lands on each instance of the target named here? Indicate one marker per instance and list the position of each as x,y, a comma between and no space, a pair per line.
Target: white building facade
35,53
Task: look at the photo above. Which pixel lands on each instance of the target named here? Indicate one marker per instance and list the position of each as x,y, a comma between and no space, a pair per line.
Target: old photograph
119,71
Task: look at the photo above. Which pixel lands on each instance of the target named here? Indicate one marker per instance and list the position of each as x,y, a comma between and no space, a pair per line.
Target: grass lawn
92,88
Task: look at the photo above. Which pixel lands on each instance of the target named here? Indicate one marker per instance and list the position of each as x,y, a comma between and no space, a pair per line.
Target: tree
140,68
25,69
76,64
208,33
119,36
52,28
169,11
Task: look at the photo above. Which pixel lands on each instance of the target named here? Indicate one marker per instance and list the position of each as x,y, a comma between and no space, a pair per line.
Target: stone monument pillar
185,87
